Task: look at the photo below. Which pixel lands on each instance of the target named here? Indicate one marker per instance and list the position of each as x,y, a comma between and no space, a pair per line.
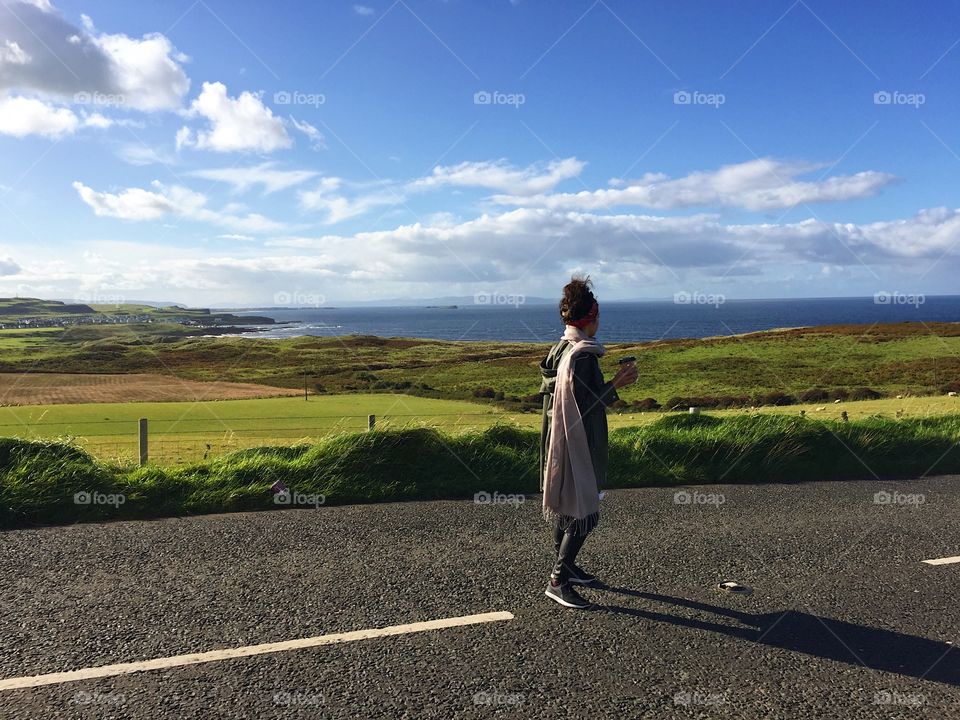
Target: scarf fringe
580,526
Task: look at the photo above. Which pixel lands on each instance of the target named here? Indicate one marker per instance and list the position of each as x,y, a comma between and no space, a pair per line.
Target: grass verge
40,482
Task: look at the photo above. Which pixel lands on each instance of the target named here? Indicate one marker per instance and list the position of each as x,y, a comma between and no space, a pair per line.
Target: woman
573,438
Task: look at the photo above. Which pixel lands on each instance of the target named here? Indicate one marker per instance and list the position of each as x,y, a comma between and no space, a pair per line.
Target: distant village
102,319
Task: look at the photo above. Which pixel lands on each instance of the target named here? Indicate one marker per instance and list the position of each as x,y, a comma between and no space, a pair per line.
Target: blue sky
255,153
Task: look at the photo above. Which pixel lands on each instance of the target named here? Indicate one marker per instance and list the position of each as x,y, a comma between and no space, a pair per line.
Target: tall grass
38,480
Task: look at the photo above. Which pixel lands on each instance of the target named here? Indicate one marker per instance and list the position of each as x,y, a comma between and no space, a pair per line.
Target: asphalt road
845,621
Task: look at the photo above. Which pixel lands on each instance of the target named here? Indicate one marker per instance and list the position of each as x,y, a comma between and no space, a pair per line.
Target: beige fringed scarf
569,482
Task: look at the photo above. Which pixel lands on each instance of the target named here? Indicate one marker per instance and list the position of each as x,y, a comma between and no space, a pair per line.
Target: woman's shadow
869,647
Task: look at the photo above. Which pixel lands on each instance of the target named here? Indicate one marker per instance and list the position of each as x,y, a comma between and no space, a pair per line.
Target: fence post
144,442
371,421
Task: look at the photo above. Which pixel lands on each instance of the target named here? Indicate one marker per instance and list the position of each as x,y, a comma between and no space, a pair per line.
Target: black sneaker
566,596
579,576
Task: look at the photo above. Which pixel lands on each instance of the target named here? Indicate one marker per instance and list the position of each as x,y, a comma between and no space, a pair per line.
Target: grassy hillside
847,362
16,308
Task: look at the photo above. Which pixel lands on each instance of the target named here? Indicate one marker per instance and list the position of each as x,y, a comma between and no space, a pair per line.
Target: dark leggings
566,543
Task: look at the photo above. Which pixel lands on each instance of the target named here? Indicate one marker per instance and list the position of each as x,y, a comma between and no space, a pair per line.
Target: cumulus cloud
177,201
43,53
264,175
363,10
501,175
242,123
20,116
763,184
515,248
498,246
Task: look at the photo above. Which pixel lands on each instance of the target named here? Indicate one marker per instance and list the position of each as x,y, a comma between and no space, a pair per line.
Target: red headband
588,318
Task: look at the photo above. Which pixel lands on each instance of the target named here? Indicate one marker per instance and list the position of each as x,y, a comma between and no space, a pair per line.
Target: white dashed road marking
943,561
247,651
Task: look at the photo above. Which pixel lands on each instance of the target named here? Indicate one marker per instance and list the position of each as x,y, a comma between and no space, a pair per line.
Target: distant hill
14,308
17,310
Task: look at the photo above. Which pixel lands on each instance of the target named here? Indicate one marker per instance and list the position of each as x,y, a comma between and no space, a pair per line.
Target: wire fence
172,441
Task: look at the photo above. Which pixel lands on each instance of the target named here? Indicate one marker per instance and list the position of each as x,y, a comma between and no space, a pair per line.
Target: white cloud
20,116
147,71
763,184
177,201
328,198
43,53
264,175
12,54
42,4
363,10
96,120
502,250
317,140
184,138
494,247
235,236
131,204
141,154
501,175
241,123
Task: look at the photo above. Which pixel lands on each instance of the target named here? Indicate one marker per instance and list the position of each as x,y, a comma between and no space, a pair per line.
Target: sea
690,317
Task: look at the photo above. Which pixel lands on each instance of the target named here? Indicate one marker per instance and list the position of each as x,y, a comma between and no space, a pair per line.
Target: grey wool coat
593,397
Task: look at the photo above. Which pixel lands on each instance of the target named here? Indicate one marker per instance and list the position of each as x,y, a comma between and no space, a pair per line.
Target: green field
182,431
188,431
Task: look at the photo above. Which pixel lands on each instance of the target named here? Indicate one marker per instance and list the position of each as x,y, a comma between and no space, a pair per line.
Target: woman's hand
626,375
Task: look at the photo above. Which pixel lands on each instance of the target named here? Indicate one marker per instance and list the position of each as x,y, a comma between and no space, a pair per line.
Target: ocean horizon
692,316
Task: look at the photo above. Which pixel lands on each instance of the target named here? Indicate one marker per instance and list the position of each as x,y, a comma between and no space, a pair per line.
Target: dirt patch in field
59,389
